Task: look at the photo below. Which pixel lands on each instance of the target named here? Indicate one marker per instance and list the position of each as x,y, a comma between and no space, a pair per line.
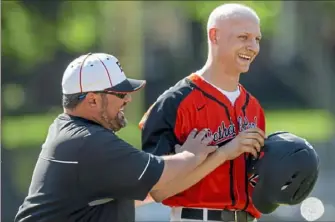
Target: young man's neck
218,75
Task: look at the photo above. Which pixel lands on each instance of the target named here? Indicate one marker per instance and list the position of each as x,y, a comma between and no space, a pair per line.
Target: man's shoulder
178,91
168,103
77,125
67,136
75,131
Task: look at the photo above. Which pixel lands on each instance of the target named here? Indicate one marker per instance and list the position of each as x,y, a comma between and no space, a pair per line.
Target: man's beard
116,123
120,121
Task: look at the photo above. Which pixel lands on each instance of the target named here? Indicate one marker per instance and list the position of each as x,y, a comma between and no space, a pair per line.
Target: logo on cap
118,63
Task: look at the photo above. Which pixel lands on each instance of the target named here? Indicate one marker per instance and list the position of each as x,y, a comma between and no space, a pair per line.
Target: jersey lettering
223,133
245,124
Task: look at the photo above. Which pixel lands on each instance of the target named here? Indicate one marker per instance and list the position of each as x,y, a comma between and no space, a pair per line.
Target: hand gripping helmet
287,172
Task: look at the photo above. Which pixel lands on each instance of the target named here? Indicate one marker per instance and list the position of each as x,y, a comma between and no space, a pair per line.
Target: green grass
314,125
25,130
30,131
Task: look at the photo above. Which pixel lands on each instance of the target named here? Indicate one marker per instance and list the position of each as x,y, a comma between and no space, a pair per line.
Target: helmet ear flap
305,188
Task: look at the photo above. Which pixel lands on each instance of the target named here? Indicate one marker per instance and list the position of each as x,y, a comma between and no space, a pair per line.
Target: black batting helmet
287,172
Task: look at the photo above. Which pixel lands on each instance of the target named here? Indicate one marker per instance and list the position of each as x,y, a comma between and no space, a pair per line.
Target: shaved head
229,11
233,32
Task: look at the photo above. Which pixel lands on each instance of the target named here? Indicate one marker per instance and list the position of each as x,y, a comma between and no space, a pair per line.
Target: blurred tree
19,40
268,11
36,36
78,25
73,26
301,53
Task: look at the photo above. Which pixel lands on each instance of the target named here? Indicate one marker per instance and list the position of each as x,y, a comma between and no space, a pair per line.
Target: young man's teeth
244,56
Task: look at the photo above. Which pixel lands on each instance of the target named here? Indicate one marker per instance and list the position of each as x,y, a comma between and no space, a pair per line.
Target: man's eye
243,37
258,39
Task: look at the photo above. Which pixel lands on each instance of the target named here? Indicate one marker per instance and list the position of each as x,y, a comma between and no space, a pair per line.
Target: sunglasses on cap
117,94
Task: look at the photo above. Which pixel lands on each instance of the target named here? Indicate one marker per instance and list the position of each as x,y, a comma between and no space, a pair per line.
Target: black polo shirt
87,173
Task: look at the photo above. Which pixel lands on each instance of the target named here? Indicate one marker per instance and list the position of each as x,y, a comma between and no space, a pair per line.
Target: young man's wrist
221,155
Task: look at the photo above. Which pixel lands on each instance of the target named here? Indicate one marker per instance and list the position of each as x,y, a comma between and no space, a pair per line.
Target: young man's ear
213,35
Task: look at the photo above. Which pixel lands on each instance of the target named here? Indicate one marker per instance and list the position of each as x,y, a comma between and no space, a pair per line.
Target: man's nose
253,46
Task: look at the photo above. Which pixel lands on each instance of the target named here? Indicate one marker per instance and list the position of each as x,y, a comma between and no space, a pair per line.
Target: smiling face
107,109
236,41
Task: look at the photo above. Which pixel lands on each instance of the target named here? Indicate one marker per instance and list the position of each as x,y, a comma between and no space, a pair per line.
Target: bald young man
212,97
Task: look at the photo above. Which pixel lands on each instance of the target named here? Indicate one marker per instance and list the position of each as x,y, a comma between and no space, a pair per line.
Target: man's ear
91,99
213,35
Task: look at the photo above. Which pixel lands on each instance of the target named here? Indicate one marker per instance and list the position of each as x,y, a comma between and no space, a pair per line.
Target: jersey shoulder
169,101
175,94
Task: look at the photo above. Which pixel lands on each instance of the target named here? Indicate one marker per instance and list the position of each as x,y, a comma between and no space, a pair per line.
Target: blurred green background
293,77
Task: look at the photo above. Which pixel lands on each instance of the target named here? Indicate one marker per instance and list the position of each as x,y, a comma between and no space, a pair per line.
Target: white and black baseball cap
95,72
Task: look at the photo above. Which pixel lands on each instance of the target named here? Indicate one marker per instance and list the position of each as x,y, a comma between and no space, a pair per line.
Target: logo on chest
228,131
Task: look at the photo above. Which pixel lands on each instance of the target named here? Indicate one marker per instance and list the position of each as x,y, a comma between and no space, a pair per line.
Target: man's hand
197,144
248,141
194,152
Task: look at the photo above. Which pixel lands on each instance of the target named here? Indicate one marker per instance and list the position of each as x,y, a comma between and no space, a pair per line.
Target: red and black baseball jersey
194,103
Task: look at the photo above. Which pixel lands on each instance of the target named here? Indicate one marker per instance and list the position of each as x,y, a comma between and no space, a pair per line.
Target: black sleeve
110,167
158,136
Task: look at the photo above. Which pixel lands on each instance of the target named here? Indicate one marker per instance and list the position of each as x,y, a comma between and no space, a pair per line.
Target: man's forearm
183,182
176,166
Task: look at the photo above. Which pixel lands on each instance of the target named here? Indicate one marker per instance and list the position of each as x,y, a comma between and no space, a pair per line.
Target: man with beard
85,172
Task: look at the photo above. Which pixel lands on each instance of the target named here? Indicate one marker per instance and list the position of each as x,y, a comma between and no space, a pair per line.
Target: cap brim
128,85
261,200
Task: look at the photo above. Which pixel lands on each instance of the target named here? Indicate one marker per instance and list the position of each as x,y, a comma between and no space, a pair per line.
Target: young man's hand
248,141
